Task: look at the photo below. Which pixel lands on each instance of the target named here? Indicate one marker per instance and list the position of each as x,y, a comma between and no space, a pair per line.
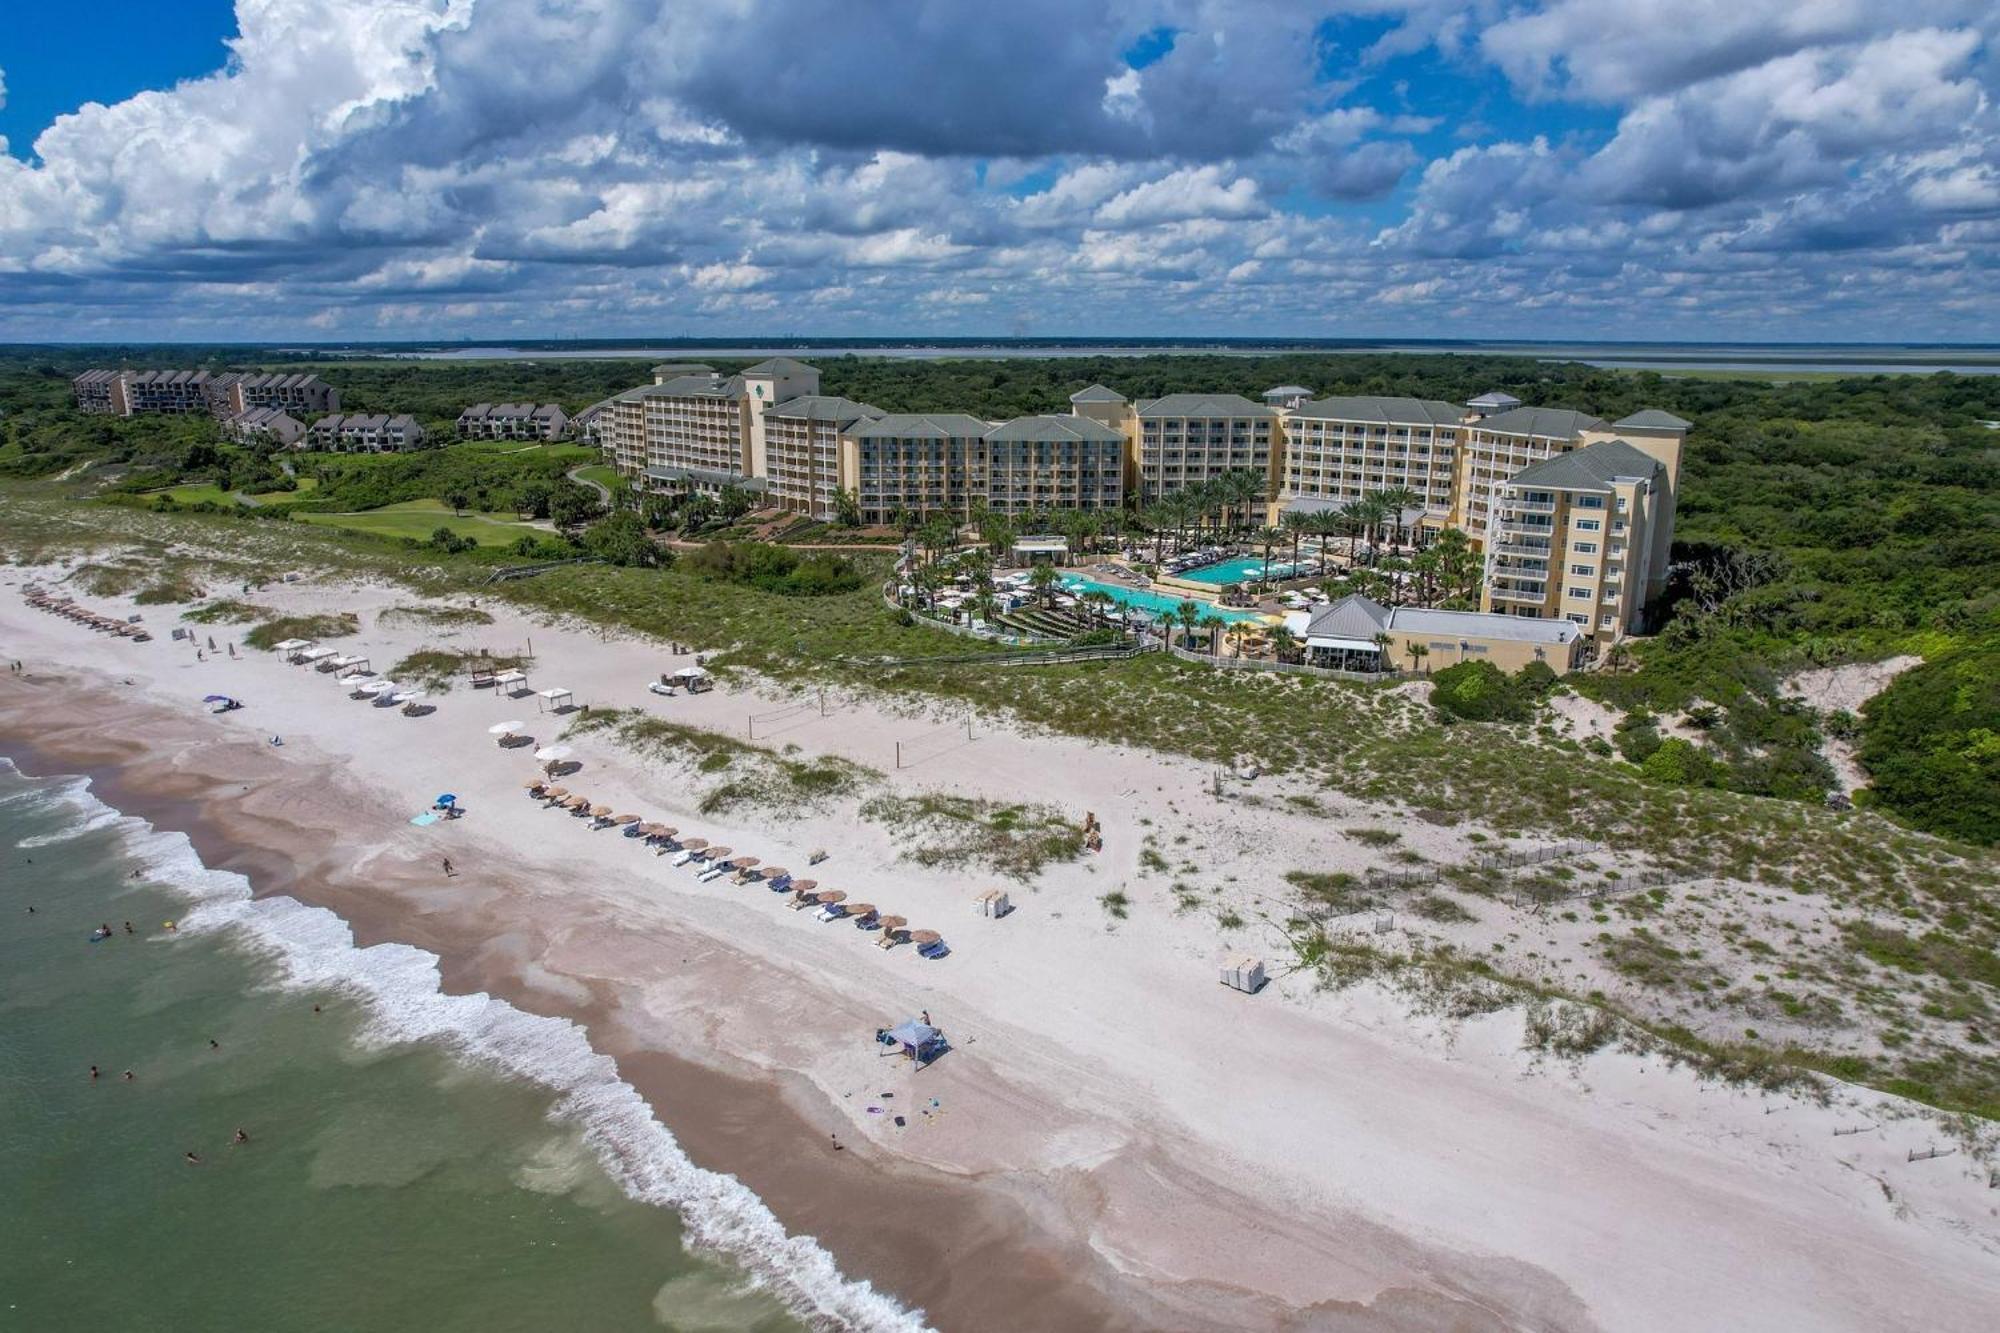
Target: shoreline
1114,1134
908,1236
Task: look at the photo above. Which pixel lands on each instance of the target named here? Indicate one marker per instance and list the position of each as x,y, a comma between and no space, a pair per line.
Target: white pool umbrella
552,754
505,728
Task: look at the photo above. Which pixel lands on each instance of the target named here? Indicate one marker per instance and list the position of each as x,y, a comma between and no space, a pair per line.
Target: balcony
1520,593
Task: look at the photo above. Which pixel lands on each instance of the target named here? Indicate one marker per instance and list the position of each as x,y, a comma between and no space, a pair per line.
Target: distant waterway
1666,358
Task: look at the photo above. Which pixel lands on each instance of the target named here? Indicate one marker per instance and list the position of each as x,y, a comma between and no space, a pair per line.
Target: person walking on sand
448,871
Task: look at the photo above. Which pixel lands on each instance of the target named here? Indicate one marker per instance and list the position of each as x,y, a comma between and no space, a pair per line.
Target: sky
1561,169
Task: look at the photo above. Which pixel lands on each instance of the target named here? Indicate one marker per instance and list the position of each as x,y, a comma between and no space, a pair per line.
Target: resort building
801,461
1356,633
365,433
695,429
512,421
1465,465
1340,449
1185,439
1054,462
1578,538
128,393
264,425
922,462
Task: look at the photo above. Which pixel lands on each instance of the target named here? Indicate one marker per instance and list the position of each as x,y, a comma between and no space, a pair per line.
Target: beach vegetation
435,616
226,611
268,634
945,831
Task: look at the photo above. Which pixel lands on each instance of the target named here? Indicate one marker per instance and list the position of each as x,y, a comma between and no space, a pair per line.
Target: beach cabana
353,666
291,645
694,680
316,655
555,700
514,683
915,1041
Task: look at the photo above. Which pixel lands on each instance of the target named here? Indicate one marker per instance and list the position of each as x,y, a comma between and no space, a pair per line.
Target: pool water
1152,603
1245,569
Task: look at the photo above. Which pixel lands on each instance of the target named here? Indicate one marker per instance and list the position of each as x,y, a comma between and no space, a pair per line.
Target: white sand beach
1297,1158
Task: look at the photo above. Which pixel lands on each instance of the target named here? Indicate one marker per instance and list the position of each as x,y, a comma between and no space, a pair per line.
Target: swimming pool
1245,569
1152,603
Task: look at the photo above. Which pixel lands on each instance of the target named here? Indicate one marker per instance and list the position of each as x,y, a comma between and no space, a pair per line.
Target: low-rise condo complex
512,421
1573,514
365,433
126,393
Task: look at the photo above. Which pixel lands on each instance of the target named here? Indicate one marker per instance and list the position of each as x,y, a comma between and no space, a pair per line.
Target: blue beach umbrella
447,799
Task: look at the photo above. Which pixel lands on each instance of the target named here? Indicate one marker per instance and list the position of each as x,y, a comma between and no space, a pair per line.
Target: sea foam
401,991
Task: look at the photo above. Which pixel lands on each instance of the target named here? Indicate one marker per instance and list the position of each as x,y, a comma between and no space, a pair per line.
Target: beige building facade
1185,439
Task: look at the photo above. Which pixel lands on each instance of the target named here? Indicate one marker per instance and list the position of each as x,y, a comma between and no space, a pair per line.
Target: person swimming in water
93,1073
214,1045
241,1137
191,1158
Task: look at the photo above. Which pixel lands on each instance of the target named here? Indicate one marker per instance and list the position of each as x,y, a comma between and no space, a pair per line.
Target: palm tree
1417,654
1395,500
1043,580
1214,625
1382,645
1296,524
1270,537
1246,488
1189,615
1326,526
1282,642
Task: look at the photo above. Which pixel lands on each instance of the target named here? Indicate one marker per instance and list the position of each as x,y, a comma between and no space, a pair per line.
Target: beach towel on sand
426,817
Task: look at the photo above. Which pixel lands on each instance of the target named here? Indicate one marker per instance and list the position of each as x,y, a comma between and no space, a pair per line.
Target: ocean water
414,1160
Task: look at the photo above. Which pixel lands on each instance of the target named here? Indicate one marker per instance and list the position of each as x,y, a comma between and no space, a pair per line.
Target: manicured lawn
420,518
198,493
601,473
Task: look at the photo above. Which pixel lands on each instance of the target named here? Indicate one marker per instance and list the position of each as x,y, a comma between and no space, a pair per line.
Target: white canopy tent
552,700
316,654
292,645
513,682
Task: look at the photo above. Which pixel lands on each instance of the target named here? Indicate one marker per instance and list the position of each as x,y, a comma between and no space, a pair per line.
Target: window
1585,570
1579,592
1590,502
1585,548
1609,622
1588,524
1579,619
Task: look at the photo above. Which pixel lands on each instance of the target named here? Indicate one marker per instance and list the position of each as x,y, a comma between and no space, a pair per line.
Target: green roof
1204,405
1381,411
1652,418
1592,468
1055,428
922,426
1556,423
821,407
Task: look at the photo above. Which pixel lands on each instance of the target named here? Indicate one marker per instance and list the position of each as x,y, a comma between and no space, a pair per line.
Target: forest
1821,521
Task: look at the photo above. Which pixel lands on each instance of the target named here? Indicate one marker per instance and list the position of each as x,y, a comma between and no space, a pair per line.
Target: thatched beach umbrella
536,784
663,830
804,885
888,925
716,853
861,911
693,844
626,819
555,793
600,812
775,872
746,862
576,803
924,937
830,896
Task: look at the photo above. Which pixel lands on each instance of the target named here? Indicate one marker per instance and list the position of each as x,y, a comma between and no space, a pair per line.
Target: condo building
1054,462
264,425
133,392
512,421
365,433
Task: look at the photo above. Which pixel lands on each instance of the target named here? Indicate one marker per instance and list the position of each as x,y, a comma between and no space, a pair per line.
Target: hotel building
1185,439
802,441
365,433
1340,449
